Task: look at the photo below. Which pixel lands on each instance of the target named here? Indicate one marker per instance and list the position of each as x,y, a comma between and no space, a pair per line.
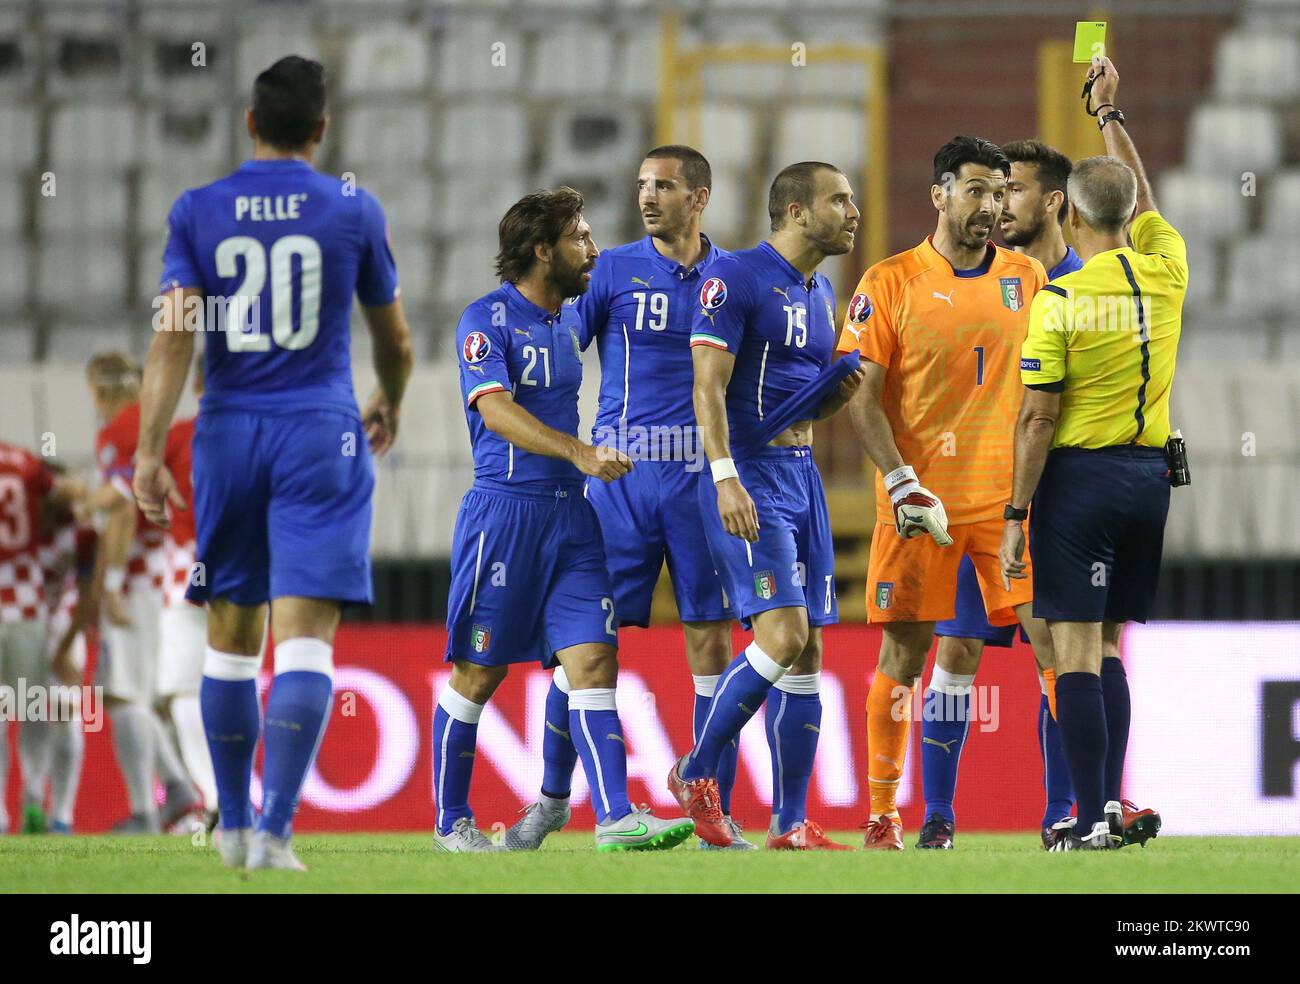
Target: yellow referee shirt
1107,335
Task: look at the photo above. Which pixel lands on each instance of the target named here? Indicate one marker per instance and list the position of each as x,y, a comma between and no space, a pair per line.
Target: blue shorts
528,576
970,620
793,561
282,507
650,514
1096,533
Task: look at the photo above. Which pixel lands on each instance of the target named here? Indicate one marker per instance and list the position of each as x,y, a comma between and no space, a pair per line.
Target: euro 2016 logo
860,309
476,348
713,294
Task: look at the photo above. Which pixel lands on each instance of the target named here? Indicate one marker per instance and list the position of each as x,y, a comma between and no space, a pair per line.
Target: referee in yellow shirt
1098,363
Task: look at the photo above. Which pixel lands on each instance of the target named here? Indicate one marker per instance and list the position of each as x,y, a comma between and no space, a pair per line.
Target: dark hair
794,184
537,218
288,102
968,150
1052,167
695,167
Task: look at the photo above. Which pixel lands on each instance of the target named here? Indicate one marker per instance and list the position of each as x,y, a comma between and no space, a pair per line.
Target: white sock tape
800,683
459,707
705,685
593,699
957,684
230,666
304,654
763,664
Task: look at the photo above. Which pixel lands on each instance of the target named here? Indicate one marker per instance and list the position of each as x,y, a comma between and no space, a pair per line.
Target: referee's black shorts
1096,533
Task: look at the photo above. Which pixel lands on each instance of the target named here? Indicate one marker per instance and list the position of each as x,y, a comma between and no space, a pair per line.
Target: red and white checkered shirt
22,590
148,558
180,564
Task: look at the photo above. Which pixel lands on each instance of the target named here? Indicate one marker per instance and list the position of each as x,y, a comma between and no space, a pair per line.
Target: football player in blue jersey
1032,219
639,310
529,581
267,260
764,329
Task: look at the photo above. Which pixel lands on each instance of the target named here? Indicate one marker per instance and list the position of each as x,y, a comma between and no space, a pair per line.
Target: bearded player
939,328
764,329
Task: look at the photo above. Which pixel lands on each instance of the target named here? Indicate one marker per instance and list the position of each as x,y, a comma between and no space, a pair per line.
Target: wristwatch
1011,512
1115,114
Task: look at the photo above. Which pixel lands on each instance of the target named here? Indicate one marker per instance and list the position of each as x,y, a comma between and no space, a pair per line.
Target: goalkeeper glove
917,511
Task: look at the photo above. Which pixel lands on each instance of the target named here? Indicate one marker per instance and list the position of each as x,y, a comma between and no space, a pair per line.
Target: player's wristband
1011,514
114,579
900,480
723,469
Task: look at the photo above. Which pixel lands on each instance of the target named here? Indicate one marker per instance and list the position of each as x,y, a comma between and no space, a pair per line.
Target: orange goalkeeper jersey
951,346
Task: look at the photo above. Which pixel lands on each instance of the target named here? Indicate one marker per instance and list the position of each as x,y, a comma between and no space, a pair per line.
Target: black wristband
1115,115
1012,513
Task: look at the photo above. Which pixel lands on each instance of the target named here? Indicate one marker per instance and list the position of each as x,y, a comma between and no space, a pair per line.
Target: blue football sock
1114,692
455,735
297,712
944,727
598,736
558,754
704,687
741,692
1081,714
232,720
1056,771
793,718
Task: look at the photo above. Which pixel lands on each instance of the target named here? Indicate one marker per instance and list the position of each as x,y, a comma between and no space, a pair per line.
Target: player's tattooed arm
1118,143
393,362
507,419
1035,428
165,369
713,368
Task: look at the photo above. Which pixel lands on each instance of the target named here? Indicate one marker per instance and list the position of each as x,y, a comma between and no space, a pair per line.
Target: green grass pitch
569,863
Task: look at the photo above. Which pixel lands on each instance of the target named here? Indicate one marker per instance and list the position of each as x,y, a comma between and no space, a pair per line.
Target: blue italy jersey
506,343
639,309
291,246
1069,263
779,326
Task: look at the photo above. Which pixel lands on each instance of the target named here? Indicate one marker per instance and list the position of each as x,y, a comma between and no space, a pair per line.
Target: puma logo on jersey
524,332
945,297
813,728
617,738
782,293
562,734
643,283
945,745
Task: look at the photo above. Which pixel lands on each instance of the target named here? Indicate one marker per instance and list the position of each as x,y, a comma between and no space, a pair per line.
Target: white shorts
182,642
23,654
128,655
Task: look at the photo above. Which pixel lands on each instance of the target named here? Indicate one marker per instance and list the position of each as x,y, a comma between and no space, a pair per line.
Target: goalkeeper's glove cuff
901,481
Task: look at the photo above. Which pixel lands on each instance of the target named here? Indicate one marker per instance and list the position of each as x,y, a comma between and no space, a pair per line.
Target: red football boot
883,834
806,836
1130,824
699,800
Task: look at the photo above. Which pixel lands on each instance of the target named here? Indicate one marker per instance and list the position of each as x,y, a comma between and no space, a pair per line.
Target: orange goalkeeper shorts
916,580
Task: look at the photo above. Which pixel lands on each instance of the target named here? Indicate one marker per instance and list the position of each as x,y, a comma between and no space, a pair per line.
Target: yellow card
1089,40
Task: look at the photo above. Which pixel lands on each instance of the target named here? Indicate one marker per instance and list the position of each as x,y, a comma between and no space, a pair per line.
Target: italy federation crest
884,594
480,637
1013,295
764,584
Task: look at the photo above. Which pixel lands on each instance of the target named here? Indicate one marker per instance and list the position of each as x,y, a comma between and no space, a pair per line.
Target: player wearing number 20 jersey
282,469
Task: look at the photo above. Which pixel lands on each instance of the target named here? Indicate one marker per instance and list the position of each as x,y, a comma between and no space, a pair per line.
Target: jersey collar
530,309
1069,263
283,164
787,267
937,259
672,266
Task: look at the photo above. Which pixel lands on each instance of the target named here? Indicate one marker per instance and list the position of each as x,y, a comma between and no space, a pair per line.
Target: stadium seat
1217,344
17,345
467,271
99,135
265,40
1203,405
833,79
414,258
483,134
385,134
1232,139
20,54
478,55
821,132
1288,345
17,136
1267,409
408,197
387,58
608,137
86,53
15,275
190,136
65,407
85,200
636,73
74,342
1282,203
469,200
727,134
1203,278
572,61
1203,206
158,191
1261,275
171,60
18,423
13,204
1252,65
81,274
730,218
746,79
